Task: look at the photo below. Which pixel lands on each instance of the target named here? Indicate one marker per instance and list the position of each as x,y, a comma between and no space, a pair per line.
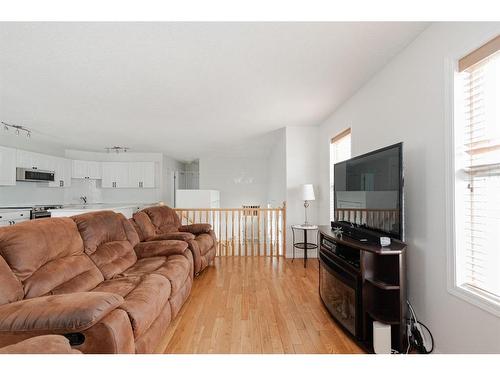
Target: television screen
368,190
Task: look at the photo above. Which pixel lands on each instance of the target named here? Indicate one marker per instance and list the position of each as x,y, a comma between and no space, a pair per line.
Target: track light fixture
18,129
117,149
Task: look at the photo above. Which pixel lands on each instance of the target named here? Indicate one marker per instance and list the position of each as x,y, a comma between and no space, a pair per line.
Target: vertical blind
340,150
480,263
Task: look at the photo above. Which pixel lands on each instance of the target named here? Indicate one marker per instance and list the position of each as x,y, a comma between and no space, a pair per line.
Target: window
477,174
340,150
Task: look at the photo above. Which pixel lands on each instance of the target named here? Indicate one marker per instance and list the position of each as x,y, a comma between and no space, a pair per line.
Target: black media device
368,195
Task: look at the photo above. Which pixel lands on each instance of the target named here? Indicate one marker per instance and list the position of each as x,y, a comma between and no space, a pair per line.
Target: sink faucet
84,199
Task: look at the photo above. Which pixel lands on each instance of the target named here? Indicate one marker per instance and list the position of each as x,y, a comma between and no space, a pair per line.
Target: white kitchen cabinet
128,174
11,217
86,169
142,174
115,175
28,159
7,166
62,168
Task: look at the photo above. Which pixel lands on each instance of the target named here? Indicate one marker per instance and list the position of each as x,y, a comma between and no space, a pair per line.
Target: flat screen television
368,191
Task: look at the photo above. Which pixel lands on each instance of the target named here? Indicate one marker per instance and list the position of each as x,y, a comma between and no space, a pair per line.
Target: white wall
406,102
301,168
220,172
276,179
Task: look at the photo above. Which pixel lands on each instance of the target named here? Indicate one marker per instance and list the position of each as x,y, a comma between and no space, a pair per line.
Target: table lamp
307,195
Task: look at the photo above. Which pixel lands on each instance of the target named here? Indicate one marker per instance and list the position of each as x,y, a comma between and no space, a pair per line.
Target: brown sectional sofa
91,279
48,344
162,223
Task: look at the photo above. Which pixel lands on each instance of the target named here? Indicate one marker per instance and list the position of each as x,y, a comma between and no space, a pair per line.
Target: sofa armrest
63,313
196,228
180,236
160,248
45,344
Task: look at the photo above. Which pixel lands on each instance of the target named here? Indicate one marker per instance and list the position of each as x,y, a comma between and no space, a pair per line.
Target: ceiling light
117,149
18,128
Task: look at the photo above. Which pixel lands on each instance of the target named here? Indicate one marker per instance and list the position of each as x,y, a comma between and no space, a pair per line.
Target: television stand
362,282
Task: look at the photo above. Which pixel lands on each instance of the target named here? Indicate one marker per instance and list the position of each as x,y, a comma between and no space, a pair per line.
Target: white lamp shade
308,192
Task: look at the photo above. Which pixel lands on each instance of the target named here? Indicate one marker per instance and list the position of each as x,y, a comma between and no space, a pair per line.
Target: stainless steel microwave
33,174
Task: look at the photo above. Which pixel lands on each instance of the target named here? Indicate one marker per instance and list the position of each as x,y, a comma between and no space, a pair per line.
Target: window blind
340,150
480,263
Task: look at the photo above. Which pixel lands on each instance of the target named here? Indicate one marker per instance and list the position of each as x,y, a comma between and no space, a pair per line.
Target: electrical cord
417,334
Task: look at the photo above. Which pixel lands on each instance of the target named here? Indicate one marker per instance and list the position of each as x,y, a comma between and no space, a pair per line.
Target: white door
7,166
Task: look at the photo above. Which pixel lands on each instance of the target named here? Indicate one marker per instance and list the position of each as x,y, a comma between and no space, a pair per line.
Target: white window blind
478,264
340,150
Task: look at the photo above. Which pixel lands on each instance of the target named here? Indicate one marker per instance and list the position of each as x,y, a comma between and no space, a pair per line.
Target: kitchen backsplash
32,193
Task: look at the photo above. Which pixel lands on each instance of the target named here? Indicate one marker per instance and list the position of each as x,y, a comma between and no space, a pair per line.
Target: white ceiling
184,88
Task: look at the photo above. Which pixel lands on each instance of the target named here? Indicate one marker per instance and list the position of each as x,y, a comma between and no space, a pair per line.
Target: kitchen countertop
98,206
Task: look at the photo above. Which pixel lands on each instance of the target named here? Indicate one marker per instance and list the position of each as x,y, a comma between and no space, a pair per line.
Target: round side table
304,245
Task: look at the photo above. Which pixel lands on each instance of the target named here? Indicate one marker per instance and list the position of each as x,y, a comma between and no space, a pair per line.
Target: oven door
40,215
340,292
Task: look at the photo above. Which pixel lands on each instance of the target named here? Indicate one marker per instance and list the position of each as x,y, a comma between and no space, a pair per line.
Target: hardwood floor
256,305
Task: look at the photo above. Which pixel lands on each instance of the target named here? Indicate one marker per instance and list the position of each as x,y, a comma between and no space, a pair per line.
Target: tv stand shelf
382,284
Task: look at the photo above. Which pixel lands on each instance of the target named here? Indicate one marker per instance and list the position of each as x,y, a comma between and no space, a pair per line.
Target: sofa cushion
114,257
145,297
108,238
46,255
143,226
64,275
163,218
11,289
97,228
176,268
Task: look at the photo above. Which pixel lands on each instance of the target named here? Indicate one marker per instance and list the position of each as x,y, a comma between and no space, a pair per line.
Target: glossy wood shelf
382,284
395,248
383,316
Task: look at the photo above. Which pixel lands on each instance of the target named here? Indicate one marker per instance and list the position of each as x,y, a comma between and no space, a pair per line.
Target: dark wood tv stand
381,286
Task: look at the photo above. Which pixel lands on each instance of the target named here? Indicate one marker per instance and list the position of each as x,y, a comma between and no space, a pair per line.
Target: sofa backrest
11,289
109,240
46,257
163,218
143,226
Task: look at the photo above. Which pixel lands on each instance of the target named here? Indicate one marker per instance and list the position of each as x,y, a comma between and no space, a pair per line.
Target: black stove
40,212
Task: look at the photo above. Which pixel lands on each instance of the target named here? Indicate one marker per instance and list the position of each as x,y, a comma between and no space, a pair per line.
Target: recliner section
96,275
159,223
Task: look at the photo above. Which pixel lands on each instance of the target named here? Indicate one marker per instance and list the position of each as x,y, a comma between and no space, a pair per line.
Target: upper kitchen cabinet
142,174
28,159
7,166
128,174
62,168
86,169
115,175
